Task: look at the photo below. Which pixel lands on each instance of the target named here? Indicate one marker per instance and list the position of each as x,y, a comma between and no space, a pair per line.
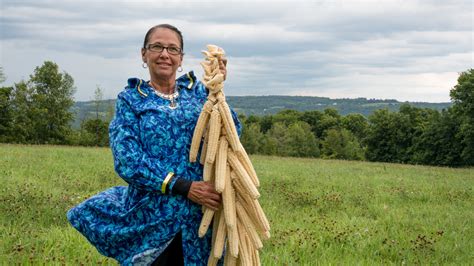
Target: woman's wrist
179,186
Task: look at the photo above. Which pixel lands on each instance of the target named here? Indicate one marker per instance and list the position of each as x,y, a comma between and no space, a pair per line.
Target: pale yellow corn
218,245
254,209
211,261
245,160
256,257
221,165
198,130
243,176
214,134
244,254
202,160
208,172
215,225
249,226
261,215
228,199
229,260
247,204
209,71
233,240
205,222
229,125
217,79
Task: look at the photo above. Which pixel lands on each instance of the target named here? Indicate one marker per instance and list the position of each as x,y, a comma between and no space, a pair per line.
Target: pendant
173,105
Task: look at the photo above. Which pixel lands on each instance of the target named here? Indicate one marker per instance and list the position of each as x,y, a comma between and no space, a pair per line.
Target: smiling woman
155,219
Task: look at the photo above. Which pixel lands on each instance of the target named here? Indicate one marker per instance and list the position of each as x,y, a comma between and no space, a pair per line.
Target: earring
144,65
180,69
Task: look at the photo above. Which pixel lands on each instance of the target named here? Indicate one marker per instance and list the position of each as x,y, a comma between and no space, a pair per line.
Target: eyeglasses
156,47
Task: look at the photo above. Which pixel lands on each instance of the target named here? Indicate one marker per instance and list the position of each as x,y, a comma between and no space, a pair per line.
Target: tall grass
322,211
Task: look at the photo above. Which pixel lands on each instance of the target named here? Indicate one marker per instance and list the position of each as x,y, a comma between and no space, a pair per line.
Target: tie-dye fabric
134,224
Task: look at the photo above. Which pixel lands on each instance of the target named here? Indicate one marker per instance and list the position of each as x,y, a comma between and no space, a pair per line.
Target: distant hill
266,105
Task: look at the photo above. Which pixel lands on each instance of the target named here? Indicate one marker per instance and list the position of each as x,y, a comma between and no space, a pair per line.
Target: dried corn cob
214,134
228,197
205,222
229,125
198,131
220,237
248,226
221,165
243,175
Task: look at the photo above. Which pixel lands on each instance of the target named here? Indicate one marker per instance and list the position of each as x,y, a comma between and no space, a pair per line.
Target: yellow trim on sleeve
165,183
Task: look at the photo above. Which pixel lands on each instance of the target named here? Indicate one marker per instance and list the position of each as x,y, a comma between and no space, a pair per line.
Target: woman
155,219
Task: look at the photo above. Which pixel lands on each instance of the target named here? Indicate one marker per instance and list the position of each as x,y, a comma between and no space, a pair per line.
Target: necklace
170,97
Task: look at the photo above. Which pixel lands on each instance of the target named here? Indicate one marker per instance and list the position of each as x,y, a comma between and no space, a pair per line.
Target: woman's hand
223,66
203,193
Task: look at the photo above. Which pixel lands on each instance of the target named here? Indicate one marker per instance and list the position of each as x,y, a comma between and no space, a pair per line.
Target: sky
384,49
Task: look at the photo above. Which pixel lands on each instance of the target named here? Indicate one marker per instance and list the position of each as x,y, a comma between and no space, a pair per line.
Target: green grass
322,211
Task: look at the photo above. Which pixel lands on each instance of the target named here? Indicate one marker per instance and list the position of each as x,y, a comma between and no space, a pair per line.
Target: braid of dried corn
228,166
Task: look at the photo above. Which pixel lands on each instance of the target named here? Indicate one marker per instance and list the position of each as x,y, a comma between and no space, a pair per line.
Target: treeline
37,111
411,135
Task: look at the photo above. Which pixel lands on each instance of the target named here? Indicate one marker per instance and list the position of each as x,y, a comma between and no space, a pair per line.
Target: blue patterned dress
134,224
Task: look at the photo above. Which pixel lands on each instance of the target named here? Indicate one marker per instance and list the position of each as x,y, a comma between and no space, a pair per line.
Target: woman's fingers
203,193
222,66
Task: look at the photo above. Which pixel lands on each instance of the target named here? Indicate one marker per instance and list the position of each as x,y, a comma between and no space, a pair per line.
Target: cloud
360,48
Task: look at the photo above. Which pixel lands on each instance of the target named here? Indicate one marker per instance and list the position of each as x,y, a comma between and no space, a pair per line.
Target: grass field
323,212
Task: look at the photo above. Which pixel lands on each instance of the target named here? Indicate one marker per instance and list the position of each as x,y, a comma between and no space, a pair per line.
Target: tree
462,96
300,141
357,124
251,138
278,134
6,115
52,100
266,123
94,132
96,126
21,104
439,143
98,100
313,118
387,137
2,75
342,144
287,117
269,145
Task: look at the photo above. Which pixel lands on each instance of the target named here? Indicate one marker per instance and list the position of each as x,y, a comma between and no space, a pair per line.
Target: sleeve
238,125
130,161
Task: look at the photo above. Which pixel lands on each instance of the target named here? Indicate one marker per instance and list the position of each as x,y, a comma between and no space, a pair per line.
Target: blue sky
391,49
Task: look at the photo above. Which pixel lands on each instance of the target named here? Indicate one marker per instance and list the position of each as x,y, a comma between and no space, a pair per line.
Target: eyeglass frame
163,48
